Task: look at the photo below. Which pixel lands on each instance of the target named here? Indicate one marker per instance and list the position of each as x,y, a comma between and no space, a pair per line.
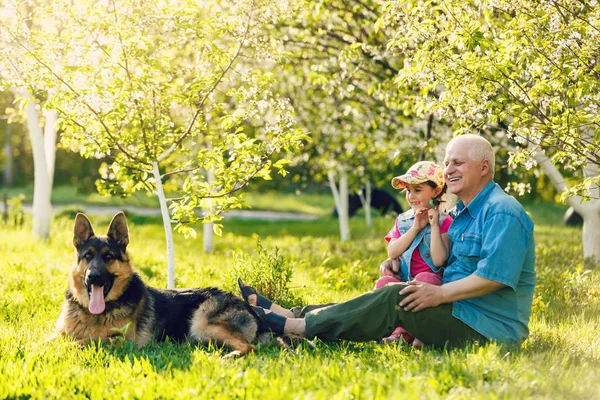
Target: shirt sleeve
394,233
446,224
503,250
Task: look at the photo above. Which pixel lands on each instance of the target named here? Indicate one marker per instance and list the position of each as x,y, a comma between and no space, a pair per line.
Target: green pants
376,314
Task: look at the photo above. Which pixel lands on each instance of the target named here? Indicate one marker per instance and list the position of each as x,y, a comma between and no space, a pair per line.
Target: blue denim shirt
423,241
492,237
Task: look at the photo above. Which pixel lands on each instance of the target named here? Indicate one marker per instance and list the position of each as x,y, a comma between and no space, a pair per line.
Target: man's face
464,176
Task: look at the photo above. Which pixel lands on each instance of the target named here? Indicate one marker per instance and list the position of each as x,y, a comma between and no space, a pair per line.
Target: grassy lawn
561,358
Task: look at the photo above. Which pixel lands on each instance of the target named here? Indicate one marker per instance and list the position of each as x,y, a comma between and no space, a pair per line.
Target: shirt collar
407,215
477,203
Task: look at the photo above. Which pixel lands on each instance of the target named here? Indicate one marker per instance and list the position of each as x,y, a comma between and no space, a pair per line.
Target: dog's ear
118,230
83,230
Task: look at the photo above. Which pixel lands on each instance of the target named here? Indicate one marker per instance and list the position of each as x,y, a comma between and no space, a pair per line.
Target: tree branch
137,104
60,79
201,104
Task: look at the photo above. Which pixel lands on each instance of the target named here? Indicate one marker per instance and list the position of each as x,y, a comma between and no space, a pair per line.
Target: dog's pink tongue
97,300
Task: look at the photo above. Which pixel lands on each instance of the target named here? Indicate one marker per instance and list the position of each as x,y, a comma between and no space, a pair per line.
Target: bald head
479,149
469,166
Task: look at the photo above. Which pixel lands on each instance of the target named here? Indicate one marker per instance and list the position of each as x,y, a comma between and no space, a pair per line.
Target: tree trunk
365,200
167,225
8,174
208,233
341,202
428,130
591,237
50,139
43,153
589,211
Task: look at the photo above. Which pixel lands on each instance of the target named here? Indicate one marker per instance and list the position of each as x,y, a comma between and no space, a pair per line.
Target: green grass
561,358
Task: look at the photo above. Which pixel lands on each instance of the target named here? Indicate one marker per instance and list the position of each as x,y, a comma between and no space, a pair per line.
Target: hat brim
401,181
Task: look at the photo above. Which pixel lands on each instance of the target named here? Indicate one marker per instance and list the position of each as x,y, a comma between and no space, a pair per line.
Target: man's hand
421,295
389,267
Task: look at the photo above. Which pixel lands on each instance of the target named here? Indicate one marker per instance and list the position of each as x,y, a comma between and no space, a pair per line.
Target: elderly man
488,284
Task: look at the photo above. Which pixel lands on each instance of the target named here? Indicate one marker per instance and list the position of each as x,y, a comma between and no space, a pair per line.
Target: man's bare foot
254,299
251,297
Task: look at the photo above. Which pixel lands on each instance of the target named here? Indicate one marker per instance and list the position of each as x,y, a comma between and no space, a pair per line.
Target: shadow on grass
570,352
161,355
168,355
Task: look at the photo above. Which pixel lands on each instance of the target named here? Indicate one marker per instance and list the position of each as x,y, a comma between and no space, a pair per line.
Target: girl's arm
398,246
440,244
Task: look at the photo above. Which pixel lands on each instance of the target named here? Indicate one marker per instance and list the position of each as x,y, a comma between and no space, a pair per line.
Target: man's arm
502,256
423,295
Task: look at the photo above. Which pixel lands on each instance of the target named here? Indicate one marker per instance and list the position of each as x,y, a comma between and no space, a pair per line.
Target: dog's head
102,268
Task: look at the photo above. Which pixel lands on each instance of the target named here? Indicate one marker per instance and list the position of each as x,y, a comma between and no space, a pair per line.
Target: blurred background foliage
76,176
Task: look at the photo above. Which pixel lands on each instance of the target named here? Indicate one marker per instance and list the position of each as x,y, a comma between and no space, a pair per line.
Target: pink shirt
417,264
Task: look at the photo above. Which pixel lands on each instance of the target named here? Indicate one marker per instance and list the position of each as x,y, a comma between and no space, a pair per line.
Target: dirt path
240,214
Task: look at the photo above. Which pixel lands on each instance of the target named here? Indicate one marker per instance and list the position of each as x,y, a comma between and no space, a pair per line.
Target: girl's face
418,196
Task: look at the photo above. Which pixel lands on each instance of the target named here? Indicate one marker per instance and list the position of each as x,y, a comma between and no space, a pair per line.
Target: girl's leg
398,333
429,277
384,280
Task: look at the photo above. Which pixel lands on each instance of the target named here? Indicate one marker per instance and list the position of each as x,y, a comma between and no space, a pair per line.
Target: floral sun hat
422,171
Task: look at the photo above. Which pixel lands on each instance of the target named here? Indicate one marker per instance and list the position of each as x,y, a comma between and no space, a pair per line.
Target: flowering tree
528,67
167,89
41,123
344,91
43,144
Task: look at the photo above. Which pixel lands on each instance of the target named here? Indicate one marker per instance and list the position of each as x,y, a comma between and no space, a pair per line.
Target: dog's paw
233,354
51,338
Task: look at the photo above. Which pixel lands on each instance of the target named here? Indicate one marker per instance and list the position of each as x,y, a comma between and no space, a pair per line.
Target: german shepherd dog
105,295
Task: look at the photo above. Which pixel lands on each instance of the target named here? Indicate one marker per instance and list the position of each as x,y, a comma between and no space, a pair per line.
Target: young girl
419,238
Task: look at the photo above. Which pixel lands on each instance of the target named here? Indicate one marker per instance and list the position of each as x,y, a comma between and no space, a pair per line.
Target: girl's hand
434,216
421,219
389,267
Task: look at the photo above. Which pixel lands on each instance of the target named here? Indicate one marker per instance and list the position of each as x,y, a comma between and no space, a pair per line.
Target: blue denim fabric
423,241
492,237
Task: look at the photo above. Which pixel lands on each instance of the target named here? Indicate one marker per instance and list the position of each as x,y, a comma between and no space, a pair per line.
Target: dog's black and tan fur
105,293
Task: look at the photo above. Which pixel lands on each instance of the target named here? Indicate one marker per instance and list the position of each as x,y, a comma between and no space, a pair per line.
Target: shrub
13,210
269,272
